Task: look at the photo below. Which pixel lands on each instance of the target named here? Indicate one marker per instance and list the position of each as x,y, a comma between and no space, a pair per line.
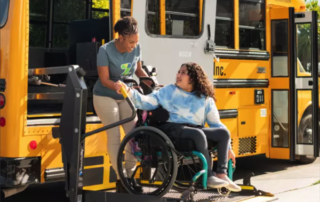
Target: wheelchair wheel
189,165
142,155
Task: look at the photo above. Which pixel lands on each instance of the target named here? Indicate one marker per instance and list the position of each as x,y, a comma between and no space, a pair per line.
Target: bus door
306,90
174,33
293,84
282,64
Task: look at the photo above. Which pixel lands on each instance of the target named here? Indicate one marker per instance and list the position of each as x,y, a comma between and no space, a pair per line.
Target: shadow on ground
260,165
50,192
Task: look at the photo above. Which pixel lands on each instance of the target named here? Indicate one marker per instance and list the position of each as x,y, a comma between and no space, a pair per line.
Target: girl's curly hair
200,81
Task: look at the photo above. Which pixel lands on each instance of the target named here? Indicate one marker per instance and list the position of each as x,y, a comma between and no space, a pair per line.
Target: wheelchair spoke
191,170
149,154
186,176
129,161
129,152
182,172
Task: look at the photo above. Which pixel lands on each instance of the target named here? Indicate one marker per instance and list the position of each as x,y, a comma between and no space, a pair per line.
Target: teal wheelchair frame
204,171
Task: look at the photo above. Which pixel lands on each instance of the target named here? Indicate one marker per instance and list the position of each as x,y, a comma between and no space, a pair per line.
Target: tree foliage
100,4
312,5
304,36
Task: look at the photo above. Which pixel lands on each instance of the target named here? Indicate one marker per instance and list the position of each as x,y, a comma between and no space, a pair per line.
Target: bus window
280,107
125,8
38,34
38,23
252,24
304,48
224,36
153,17
100,9
181,17
279,48
4,7
65,12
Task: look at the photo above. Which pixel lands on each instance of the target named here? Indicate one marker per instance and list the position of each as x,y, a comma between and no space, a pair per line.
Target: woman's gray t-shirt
121,65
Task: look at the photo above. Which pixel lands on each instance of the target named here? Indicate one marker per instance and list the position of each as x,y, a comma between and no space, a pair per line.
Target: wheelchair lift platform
172,196
72,134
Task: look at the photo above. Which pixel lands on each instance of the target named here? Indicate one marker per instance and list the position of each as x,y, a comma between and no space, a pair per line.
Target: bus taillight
2,100
2,121
33,145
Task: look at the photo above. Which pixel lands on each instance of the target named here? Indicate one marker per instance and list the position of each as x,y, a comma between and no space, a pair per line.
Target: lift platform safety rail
72,135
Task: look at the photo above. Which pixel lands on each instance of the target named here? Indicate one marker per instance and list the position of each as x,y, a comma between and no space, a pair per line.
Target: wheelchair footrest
248,189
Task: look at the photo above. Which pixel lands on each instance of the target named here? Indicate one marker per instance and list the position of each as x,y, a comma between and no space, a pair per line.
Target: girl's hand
118,85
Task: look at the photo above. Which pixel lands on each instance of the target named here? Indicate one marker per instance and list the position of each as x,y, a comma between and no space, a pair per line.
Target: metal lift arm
72,130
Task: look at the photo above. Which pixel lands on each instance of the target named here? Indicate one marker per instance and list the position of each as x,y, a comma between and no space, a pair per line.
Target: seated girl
191,103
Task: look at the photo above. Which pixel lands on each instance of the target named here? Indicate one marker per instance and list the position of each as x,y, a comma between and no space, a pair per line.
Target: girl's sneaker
214,182
232,186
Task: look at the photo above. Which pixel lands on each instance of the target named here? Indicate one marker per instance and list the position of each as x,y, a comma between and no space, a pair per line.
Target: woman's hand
232,156
118,85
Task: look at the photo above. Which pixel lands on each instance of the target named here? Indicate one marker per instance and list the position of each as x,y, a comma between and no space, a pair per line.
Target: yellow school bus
254,77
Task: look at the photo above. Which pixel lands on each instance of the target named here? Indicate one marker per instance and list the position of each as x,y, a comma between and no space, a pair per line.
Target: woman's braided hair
126,26
200,81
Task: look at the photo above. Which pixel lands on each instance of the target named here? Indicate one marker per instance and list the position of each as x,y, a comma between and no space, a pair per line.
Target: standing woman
117,60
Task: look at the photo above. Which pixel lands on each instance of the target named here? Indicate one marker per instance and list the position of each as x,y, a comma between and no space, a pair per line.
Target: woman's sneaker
214,182
232,186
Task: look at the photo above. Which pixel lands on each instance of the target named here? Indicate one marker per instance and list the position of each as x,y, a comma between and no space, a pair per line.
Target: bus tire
305,122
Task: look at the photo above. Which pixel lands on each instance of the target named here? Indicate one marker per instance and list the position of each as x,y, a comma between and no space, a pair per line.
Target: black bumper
17,172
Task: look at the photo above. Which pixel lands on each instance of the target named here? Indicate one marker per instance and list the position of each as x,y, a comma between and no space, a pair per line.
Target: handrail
52,70
118,123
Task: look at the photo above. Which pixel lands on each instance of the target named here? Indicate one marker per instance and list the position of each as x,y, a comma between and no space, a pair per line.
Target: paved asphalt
54,192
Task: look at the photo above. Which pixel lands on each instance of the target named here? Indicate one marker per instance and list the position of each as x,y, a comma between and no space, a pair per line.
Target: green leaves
101,4
304,36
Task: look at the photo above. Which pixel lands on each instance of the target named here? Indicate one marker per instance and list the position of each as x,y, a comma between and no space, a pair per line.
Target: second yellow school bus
254,51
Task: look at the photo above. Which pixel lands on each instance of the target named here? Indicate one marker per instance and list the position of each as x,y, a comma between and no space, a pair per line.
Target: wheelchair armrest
144,78
131,81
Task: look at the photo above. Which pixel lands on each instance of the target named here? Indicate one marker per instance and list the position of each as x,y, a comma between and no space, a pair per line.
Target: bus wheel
305,135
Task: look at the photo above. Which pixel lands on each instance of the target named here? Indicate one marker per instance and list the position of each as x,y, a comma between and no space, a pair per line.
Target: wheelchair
159,163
